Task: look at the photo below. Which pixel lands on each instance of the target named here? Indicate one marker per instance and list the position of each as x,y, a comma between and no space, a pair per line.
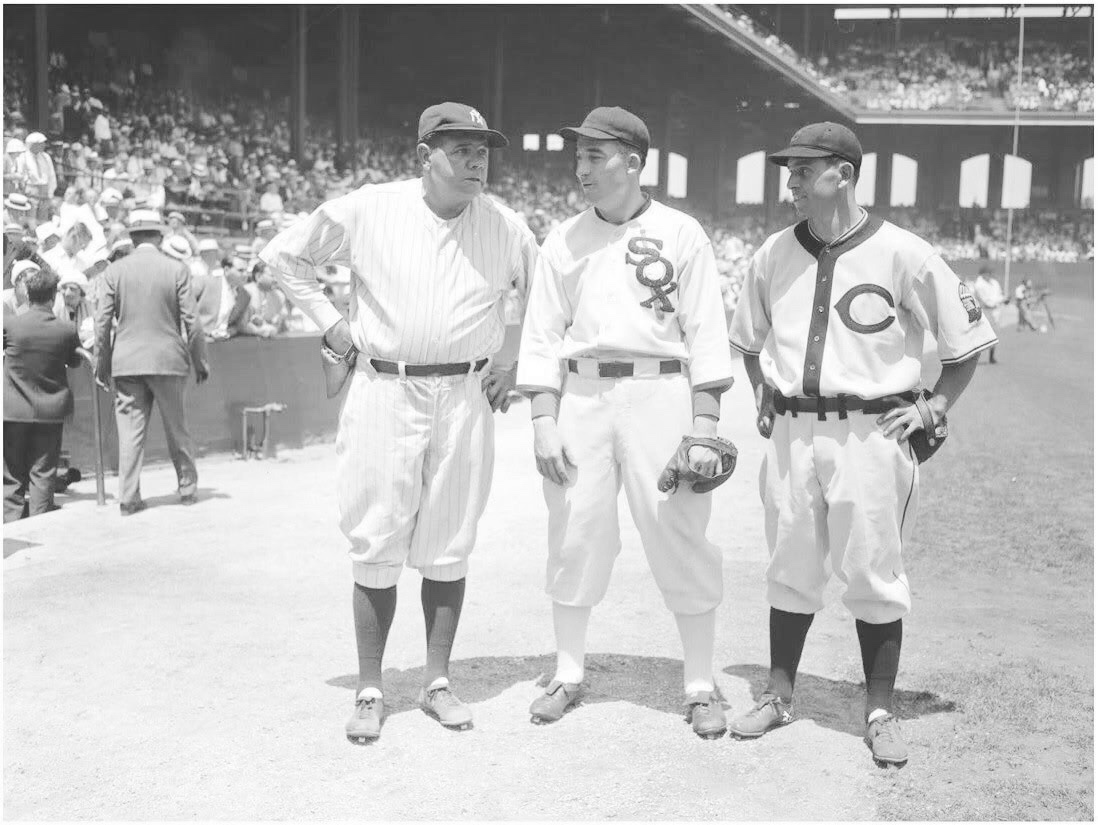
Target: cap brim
575,132
783,157
496,140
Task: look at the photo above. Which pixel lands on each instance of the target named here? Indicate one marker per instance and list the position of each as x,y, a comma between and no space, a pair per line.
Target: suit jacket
38,346
158,330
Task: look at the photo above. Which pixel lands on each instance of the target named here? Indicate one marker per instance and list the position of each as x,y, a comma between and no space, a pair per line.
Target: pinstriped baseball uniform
644,291
846,318
414,453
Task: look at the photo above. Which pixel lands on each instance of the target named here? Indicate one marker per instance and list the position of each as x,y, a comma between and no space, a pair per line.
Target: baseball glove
678,468
928,440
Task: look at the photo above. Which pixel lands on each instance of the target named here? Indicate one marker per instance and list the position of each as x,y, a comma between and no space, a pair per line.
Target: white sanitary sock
570,626
697,633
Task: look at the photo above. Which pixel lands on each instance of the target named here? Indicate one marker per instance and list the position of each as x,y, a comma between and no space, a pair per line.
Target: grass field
1007,627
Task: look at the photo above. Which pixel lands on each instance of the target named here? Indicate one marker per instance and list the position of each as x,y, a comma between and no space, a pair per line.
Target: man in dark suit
148,357
38,347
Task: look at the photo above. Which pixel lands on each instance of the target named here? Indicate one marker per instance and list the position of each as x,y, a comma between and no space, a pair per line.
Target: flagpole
1014,150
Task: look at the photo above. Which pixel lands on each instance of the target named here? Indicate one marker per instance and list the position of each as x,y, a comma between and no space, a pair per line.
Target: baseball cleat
883,737
705,715
364,726
441,704
769,712
558,699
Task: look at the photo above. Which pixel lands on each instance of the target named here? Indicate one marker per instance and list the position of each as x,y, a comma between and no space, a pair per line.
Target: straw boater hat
177,246
22,269
146,219
17,202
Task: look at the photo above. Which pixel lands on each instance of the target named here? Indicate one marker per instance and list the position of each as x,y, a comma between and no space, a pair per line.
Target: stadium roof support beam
716,20
298,86
41,68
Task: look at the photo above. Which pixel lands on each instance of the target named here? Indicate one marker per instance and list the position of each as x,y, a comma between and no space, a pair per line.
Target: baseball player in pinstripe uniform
831,322
623,352
432,260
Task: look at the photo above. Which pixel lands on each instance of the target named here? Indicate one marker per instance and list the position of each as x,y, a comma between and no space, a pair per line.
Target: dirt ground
199,663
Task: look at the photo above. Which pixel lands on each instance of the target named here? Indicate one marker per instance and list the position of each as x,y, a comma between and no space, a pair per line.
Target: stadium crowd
223,167
921,73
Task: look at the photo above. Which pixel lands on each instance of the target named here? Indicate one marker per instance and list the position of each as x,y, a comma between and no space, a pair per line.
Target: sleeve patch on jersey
648,249
969,303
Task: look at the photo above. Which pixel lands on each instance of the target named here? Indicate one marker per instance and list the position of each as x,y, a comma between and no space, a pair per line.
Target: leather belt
841,404
624,369
417,370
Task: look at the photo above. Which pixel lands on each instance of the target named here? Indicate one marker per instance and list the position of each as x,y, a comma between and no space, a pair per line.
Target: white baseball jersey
425,290
849,317
648,288
643,291
414,453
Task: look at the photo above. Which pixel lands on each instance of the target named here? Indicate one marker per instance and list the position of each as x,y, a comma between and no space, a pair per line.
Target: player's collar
864,229
633,217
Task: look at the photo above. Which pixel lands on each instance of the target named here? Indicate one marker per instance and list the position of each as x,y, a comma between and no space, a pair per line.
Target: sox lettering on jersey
650,249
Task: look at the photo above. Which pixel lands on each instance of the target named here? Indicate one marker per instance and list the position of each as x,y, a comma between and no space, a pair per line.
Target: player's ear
846,170
423,152
633,161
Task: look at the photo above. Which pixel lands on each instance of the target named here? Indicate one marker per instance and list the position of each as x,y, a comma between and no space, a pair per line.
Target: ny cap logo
478,118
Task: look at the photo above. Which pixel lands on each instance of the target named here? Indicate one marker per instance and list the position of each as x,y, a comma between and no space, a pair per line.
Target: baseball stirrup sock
880,660
374,609
697,634
441,611
787,634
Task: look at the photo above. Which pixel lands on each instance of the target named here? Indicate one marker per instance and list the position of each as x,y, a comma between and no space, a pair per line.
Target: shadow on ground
838,704
203,494
650,682
13,546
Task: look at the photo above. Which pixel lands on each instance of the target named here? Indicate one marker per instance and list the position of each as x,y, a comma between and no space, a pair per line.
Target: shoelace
447,698
365,706
886,729
771,700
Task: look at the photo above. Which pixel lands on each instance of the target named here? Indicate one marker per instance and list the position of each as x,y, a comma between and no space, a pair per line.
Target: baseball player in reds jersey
623,352
831,323
433,260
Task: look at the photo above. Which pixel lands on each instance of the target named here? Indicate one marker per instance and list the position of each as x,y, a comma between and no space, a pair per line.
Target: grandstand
208,110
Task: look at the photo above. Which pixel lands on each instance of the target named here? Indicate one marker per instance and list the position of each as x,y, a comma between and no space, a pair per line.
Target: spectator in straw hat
72,304
265,230
177,225
15,297
40,176
120,248
38,347
157,342
17,208
177,247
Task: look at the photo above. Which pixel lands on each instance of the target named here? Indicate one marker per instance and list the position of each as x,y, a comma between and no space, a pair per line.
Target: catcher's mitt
678,468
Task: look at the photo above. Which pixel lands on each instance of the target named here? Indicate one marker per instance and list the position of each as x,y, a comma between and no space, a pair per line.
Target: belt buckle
615,369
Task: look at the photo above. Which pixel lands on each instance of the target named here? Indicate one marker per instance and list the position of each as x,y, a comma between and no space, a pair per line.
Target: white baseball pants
414,467
623,431
838,489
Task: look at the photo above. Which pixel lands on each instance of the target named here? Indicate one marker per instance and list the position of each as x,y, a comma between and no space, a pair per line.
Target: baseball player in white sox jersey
623,352
831,323
433,260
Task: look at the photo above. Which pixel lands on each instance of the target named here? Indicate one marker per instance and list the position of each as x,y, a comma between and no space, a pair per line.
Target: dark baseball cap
612,123
821,140
457,117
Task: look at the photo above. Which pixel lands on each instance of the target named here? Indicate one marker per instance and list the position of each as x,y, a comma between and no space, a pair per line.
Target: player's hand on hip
900,422
764,404
338,338
497,385
552,457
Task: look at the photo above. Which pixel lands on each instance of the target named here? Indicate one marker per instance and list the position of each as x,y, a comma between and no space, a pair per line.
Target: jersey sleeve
548,316
948,310
701,318
297,252
751,320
